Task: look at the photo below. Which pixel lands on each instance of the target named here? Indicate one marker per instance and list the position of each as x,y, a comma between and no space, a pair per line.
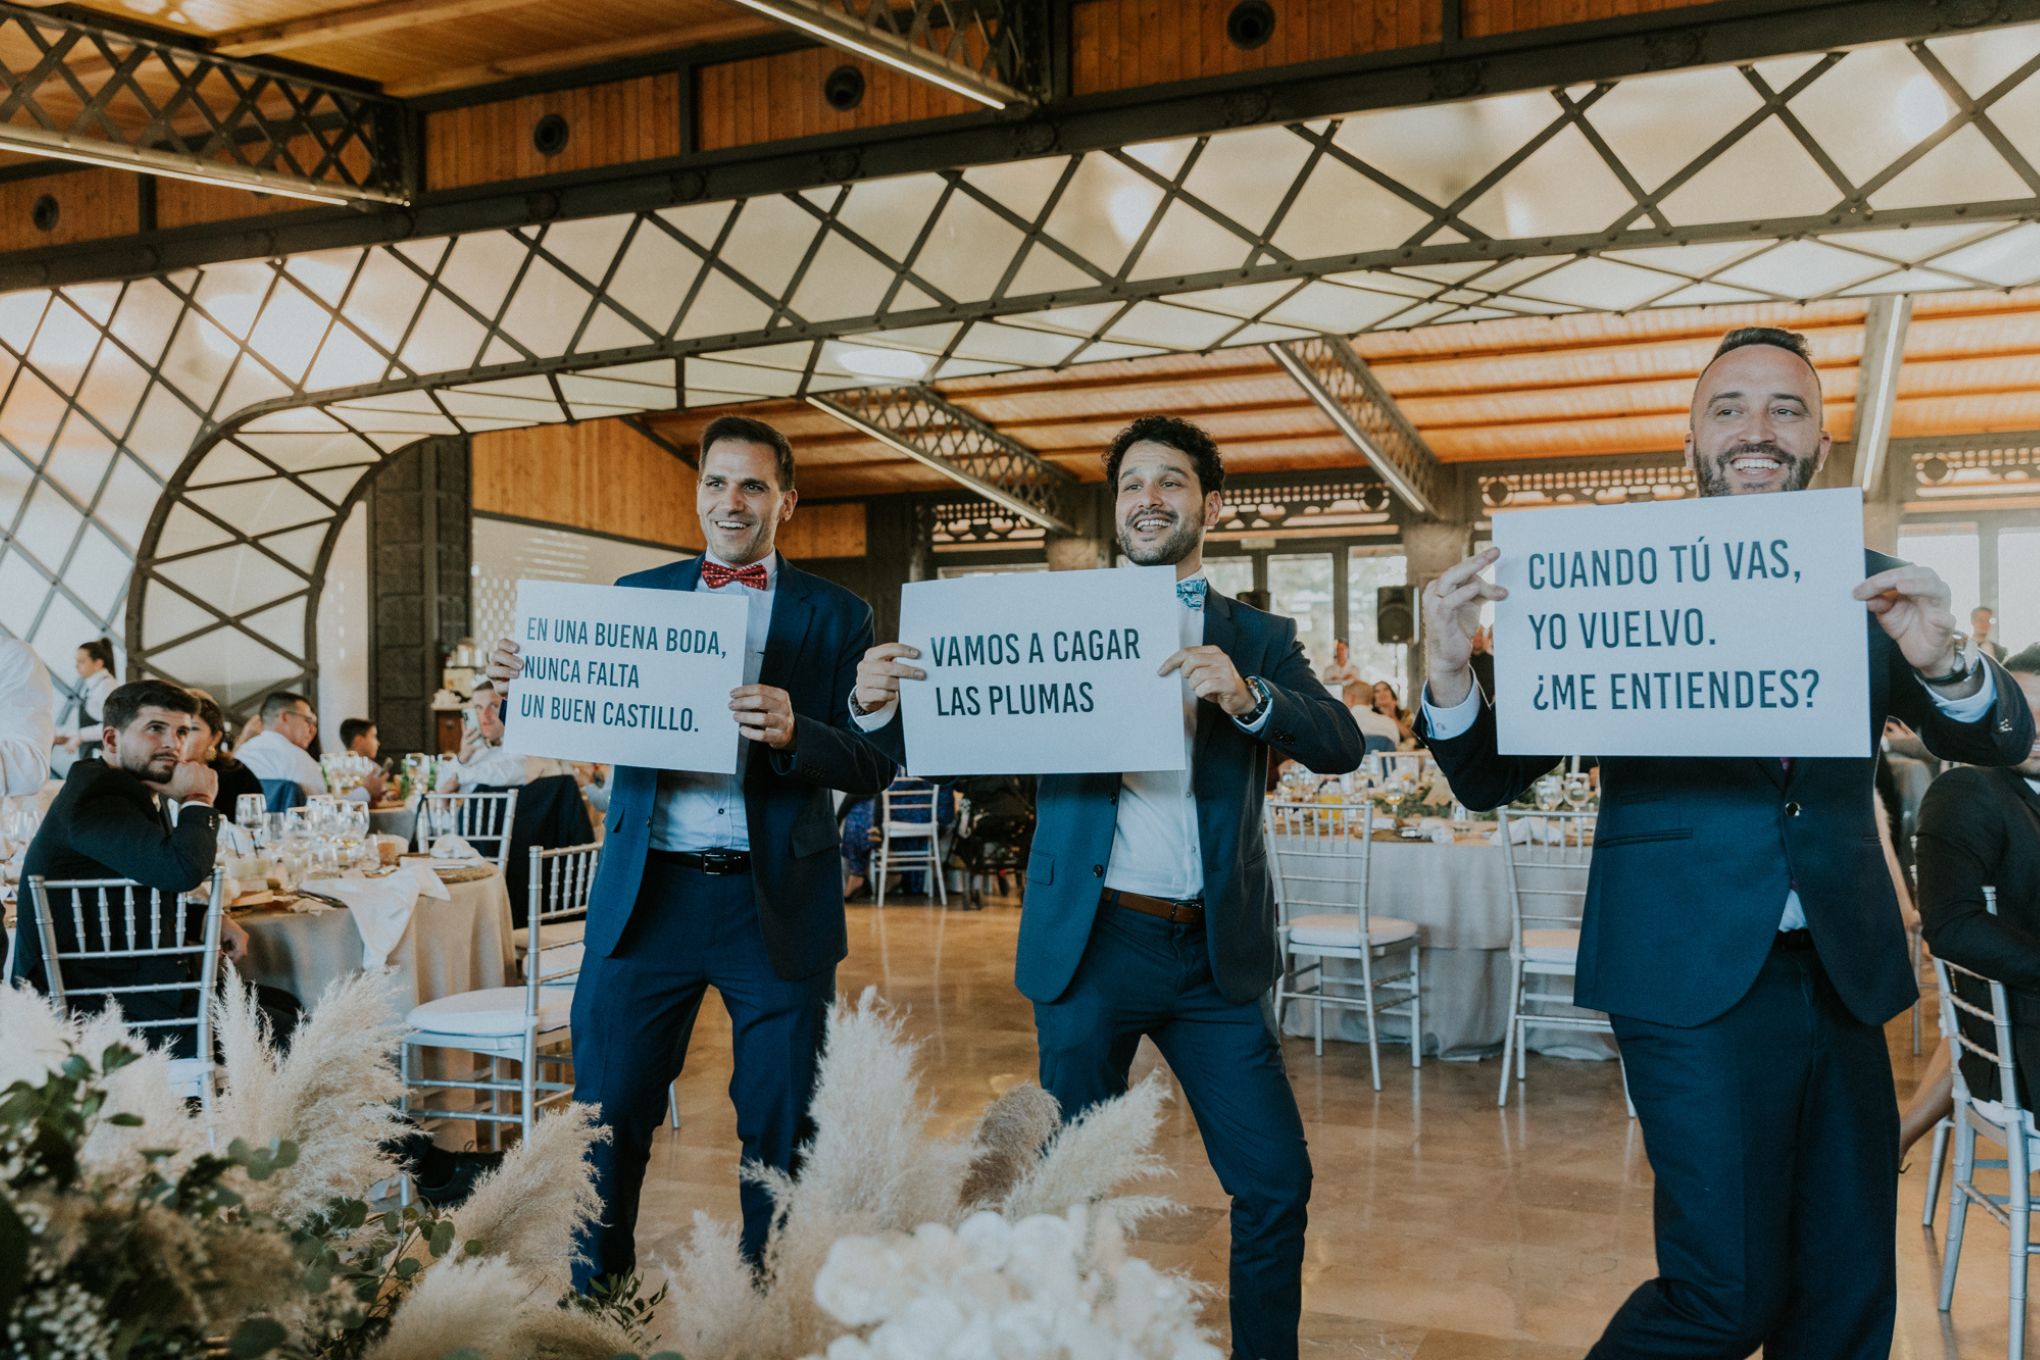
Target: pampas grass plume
528,1209
1008,1141
1108,1145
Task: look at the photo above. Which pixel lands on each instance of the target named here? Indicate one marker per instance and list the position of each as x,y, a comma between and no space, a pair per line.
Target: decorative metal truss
917,422
85,92
1334,376
1600,480
1334,503
974,522
974,48
226,409
1978,469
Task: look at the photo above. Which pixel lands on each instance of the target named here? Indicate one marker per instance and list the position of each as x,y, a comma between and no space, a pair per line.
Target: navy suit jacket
1077,813
819,631
1693,857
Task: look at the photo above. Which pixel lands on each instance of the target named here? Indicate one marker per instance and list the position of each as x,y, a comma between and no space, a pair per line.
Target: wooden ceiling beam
565,58
361,21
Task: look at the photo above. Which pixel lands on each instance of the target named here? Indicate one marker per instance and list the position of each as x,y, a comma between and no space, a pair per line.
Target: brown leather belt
1177,913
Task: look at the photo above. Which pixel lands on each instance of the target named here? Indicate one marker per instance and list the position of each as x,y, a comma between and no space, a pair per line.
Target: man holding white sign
730,879
1149,909
1740,925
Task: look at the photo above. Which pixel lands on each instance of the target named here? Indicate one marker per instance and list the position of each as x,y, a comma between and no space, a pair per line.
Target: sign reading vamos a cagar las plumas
1722,626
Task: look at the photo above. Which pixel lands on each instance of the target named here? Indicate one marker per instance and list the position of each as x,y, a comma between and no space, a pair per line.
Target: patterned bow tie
1191,592
715,575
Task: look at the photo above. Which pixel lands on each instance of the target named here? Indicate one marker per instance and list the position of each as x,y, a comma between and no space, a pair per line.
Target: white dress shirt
92,694
27,719
1446,723
272,755
493,766
697,811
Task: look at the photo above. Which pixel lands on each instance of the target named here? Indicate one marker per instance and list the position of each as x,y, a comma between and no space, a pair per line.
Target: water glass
1548,790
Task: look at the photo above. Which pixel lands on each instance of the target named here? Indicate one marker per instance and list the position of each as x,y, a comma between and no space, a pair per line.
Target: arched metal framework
202,432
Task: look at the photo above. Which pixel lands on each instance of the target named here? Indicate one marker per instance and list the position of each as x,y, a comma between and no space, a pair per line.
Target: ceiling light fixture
144,161
846,33
871,362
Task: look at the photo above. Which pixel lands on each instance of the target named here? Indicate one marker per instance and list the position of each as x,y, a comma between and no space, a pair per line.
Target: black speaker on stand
1395,615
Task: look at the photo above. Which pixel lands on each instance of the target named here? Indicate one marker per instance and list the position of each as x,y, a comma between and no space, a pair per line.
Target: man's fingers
891,651
899,672
1456,575
1175,661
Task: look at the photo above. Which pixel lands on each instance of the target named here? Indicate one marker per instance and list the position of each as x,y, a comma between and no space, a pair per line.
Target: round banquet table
459,945
1459,894
397,819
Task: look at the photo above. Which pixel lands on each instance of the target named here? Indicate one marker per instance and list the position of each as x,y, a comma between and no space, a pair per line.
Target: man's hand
191,782
880,672
764,713
505,665
1451,618
1213,678
233,939
1911,604
376,784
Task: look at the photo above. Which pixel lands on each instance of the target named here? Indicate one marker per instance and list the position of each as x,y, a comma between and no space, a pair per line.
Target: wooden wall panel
603,476
90,204
768,99
599,475
610,124
1485,18
1122,44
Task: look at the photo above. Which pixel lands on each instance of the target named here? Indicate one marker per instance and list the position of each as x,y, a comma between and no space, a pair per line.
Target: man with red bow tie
726,881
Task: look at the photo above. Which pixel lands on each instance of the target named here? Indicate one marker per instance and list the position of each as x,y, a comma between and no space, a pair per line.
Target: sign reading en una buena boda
1043,673
620,675
1722,626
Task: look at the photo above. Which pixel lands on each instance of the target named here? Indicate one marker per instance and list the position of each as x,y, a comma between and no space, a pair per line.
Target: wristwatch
1964,664
1260,687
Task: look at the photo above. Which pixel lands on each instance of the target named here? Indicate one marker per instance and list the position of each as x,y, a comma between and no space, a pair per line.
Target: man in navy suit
1742,933
1149,909
726,881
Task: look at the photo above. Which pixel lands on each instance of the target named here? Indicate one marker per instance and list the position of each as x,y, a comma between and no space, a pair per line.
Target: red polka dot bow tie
715,575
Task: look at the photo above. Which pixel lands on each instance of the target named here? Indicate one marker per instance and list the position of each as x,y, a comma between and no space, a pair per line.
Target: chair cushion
189,1076
550,936
1341,930
1551,946
492,1013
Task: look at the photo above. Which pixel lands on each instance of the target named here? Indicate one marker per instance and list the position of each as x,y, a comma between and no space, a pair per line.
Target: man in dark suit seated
1981,828
1149,909
106,822
1742,933
731,881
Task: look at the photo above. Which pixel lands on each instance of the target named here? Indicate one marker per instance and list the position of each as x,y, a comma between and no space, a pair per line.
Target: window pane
2018,622
1232,576
1367,572
1300,587
1950,550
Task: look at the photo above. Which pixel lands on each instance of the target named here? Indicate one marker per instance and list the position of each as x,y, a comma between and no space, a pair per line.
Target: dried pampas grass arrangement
873,1175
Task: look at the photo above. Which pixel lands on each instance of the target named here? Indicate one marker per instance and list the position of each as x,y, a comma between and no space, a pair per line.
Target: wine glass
1548,790
1577,791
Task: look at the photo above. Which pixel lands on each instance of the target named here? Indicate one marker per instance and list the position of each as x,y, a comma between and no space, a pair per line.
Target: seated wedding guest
1389,705
1380,730
281,751
358,737
860,818
26,728
1981,827
1483,660
95,681
209,727
484,764
1982,623
1342,671
107,823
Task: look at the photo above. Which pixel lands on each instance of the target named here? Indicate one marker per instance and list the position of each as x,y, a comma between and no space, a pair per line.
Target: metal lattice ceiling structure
249,400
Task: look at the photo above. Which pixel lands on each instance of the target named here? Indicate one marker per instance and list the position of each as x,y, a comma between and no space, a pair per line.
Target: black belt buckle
725,862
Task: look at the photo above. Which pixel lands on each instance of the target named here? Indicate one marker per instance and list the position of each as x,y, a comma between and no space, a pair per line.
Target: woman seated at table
203,746
1384,718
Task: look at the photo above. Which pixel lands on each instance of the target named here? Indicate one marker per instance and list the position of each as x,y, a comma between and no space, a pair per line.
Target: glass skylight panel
1021,187
1801,269
1340,211
587,245
1337,309
844,280
1178,328
722,307
1604,285
1871,108
888,213
1763,176
1442,150
967,253
1246,174
1015,344
1103,211
143,322
545,312
114,385
1047,270
1963,169
1188,242
2007,259
385,295
49,523
171,614
1564,188
1981,61
769,242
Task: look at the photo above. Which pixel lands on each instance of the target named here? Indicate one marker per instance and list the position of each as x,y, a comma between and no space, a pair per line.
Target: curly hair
1176,433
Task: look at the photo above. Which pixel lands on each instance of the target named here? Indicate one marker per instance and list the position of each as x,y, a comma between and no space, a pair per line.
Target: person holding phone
110,821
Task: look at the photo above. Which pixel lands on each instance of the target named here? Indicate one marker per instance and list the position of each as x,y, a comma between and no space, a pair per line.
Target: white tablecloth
458,945
1459,894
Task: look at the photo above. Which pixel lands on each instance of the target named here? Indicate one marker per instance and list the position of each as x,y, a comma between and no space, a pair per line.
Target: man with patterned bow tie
1149,909
725,881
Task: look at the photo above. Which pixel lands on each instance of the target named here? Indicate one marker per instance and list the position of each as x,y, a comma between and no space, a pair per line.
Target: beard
1182,540
1713,474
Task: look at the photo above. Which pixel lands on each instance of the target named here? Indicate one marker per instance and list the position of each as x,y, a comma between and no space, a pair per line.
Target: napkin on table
453,847
382,907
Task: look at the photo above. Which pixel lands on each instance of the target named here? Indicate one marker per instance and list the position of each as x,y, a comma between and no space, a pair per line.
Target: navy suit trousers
1773,1134
633,1014
1142,975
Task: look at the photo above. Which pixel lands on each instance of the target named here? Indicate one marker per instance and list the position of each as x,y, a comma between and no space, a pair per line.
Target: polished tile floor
1441,1227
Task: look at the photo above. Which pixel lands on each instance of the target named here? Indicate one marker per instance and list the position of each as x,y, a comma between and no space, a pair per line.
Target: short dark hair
1777,337
2025,662
1179,435
280,702
100,650
355,727
127,701
750,431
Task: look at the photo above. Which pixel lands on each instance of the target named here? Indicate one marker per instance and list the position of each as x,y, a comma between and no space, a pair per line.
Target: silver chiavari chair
483,820
118,922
